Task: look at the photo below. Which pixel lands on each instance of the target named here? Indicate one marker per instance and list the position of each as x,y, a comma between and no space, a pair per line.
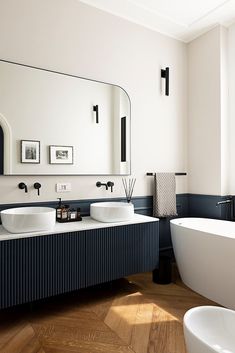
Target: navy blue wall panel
142,204
205,206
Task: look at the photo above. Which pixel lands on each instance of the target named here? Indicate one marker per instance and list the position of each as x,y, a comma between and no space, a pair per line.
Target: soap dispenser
59,210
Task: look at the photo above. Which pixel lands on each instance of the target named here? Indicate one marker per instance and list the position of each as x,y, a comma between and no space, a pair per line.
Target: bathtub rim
217,233
181,219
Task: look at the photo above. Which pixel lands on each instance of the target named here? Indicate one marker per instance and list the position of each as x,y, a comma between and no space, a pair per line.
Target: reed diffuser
128,185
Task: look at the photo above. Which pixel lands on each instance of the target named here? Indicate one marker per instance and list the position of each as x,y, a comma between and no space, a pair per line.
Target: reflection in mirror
54,123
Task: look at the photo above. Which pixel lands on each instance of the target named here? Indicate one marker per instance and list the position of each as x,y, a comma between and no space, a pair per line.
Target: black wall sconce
166,75
96,110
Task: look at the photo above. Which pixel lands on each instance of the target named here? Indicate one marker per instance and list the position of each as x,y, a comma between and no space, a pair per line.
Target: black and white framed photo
61,154
30,151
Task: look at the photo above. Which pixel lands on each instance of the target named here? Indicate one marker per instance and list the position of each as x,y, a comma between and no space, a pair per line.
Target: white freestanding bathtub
209,329
205,255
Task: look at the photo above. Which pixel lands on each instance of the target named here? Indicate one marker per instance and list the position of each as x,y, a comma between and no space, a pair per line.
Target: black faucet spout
37,186
110,185
99,184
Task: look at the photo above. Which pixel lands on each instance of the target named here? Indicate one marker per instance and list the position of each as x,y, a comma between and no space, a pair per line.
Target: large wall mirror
54,124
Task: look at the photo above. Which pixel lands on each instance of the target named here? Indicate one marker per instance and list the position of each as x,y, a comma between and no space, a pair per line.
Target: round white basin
28,219
112,211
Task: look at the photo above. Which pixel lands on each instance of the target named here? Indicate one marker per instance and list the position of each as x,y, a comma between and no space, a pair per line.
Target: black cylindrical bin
162,275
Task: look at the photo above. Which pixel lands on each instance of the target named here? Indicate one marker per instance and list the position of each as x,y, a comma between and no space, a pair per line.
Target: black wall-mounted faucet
107,185
23,186
37,186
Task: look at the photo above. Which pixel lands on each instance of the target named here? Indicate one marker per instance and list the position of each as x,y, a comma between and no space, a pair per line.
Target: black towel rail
152,174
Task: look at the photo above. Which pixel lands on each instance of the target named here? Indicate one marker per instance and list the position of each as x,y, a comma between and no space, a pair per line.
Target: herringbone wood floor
135,316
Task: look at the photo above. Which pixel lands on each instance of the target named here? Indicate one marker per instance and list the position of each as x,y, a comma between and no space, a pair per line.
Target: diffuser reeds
128,186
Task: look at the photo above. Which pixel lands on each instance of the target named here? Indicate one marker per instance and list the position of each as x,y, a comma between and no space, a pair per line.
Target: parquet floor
129,316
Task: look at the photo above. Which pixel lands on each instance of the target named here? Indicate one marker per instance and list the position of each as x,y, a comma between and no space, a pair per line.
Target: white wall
68,36
224,111
207,113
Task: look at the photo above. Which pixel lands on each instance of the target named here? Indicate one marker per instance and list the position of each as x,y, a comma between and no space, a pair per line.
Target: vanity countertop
87,223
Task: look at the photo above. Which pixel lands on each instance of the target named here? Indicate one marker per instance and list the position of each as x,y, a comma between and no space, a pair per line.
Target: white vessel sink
28,219
112,211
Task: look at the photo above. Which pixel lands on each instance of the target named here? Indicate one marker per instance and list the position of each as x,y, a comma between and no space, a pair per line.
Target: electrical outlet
63,187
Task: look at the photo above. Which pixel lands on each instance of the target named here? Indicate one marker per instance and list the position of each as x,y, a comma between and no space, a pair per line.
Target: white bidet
209,329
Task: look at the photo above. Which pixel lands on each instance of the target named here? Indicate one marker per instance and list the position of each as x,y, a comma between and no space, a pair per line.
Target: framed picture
61,154
30,151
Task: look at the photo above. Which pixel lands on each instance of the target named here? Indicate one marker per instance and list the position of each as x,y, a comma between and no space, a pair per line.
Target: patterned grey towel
164,197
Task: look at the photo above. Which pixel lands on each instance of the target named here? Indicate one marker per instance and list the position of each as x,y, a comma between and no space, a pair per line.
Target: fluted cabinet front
38,267
120,252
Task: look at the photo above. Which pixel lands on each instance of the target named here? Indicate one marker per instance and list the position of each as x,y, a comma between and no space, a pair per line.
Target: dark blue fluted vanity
73,256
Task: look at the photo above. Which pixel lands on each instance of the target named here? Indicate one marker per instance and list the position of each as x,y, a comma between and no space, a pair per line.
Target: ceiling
180,19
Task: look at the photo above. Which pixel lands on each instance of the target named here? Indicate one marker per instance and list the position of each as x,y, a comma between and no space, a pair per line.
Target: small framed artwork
30,151
61,154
